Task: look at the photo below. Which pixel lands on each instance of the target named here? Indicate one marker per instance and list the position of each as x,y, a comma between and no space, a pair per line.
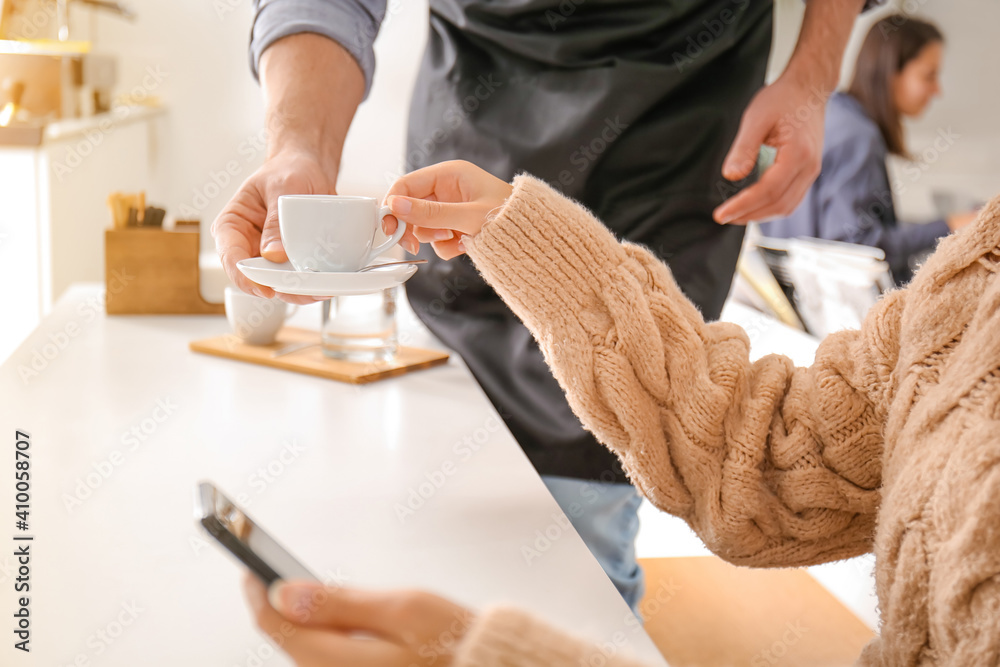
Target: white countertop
323,466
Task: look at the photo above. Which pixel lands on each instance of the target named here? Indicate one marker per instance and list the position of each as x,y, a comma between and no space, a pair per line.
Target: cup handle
291,311
392,240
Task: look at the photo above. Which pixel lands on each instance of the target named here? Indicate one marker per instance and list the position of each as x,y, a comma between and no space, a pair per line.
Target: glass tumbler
361,328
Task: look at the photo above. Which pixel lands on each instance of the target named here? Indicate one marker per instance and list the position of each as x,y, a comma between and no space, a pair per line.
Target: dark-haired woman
896,75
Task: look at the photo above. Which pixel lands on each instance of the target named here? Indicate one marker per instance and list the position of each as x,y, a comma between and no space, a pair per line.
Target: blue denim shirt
851,201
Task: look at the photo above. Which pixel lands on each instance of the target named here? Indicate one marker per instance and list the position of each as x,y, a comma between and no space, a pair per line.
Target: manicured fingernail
461,242
272,246
443,234
400,205
411,246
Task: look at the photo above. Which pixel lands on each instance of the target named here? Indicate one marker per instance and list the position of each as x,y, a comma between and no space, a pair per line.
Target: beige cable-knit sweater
889,441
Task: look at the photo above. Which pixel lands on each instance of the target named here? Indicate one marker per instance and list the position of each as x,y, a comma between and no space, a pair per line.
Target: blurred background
185,124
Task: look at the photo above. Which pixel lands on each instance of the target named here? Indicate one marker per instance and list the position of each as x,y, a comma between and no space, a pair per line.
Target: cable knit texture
889,441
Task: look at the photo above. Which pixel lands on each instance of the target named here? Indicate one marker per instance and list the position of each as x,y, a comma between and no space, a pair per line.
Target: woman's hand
442,204
320,626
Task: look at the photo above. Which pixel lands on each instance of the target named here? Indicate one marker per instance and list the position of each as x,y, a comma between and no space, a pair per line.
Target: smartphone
243,538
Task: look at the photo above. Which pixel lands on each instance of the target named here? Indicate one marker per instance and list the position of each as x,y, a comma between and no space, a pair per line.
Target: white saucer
284,278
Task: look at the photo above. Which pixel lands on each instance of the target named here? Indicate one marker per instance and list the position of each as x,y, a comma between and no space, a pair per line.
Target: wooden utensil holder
154,271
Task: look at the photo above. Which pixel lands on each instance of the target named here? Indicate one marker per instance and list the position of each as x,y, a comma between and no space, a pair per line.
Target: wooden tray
312,361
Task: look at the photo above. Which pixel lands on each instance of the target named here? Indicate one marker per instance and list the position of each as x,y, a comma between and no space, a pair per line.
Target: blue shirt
851,201
353,24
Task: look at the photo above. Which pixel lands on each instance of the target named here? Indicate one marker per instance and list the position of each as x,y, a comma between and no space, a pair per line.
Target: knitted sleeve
770,464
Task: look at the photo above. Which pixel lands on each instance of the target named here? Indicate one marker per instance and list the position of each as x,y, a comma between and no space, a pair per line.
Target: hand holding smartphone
234,530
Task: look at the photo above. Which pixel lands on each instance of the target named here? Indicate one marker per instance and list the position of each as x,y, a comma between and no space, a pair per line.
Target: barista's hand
332,627
787,115
248,225
442,204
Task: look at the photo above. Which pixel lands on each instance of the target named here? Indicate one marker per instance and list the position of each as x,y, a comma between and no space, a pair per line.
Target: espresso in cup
332,232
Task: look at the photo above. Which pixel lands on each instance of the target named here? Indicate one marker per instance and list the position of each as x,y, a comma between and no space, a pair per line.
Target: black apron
629,108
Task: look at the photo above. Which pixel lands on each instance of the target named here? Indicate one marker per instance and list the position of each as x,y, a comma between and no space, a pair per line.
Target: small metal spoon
372,267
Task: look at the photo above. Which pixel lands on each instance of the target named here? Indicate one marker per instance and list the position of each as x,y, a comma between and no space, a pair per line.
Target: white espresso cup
332,232
255,320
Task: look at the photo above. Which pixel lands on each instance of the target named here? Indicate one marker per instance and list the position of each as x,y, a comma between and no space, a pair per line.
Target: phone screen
232,528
